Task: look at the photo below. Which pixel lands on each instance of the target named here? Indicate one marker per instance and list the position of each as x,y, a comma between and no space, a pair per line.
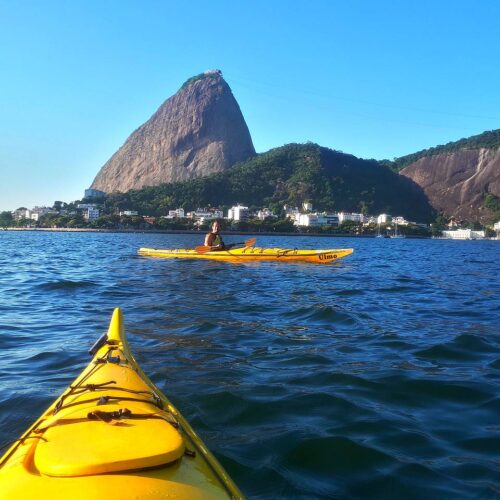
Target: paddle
248,243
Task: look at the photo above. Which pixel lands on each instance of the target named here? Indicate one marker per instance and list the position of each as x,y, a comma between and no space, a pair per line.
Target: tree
6,219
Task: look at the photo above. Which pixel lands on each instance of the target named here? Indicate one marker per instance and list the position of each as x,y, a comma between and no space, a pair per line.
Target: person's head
215,226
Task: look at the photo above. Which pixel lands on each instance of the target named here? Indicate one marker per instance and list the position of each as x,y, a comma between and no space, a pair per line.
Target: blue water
377,376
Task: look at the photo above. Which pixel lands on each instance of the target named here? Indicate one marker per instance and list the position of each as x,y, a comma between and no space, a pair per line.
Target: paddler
213,239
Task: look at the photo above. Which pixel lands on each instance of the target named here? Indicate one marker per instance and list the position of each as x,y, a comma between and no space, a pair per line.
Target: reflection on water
374,376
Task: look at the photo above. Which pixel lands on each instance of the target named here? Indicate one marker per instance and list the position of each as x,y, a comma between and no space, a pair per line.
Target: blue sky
377,79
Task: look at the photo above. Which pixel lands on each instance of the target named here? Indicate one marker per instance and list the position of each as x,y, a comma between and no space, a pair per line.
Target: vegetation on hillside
290,174
492,203
201,76
488,139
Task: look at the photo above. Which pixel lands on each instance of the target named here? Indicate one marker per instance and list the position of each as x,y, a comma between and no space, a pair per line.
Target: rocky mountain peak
198,131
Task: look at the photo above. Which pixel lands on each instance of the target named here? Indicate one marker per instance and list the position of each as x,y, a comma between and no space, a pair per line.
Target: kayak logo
327,256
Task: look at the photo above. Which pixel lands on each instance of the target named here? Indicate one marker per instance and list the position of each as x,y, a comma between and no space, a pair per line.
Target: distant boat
396,234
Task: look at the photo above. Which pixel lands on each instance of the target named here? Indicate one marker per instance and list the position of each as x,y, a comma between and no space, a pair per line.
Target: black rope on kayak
108,417
125,413
189,453
93,387
89,374
79,390
75,390
104,400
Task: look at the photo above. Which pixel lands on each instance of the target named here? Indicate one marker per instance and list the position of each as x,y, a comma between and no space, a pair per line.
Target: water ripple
374,377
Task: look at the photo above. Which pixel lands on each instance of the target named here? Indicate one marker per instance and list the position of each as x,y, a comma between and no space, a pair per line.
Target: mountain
461,179
291,174
197,132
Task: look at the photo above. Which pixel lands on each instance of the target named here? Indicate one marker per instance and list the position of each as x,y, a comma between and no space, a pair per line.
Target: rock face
198,131
456,183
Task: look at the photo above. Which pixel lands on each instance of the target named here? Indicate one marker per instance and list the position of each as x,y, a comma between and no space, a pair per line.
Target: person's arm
209,238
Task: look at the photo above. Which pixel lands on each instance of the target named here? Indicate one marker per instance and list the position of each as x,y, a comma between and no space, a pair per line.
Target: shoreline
189,231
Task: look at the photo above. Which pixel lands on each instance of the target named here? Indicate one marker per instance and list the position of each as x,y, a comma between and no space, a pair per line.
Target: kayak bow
112,434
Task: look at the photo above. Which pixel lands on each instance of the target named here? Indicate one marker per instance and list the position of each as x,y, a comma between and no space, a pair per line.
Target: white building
129,213
264,214
384,219
464,234
291,212
238,213
90,213
306,220
317,219
401,221
307,207
496,228
178,213
205,214
344,216
38,212
21,213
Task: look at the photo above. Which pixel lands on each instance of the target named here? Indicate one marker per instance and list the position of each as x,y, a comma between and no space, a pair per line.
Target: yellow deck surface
251,254
112,435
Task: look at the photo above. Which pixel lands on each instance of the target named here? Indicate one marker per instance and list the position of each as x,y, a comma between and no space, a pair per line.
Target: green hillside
290,174
489,139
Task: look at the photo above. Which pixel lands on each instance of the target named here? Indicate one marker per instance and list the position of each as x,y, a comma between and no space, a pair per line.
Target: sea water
375,376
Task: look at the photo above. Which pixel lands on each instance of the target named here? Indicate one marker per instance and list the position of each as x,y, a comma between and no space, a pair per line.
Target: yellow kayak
251,254
112,435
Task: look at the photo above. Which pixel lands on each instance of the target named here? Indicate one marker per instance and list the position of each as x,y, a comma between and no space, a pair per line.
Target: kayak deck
251,254
112,434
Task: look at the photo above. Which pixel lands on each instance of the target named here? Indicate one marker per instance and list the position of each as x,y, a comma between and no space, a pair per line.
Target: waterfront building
307,207
384,219
178,213
291,212
345,216
317,219
21,213
496,228
238,213
90,213
38,212
205,214
307,220
463,234
129,213
401,221
264,214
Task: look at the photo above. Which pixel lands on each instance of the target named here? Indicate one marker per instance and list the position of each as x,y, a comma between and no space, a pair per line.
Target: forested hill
489,139
290,174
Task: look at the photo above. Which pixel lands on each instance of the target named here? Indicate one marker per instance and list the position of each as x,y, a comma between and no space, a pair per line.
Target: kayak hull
112,434
251,254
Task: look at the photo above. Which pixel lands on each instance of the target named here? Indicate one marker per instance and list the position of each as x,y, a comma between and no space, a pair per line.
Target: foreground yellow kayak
112,435
251,254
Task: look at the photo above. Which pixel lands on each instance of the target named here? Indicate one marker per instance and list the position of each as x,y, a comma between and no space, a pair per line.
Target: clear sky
375,78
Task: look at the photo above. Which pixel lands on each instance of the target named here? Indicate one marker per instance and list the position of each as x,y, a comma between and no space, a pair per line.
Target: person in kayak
213,239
